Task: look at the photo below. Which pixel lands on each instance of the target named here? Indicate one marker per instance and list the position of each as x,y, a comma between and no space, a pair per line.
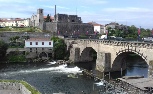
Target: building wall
97,28
5,36
14,88
39,49
67,28
46,44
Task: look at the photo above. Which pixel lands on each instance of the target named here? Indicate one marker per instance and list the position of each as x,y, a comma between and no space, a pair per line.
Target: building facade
98,28
39,45
37,19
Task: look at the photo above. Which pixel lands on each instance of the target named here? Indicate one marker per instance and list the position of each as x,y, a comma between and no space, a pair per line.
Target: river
49,78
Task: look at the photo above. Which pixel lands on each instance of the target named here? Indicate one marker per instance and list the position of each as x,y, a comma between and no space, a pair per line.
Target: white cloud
61,7
128,9
15,1
95,1
46,6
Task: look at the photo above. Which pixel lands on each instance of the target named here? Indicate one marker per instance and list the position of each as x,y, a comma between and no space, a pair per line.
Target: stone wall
13,88
150,72
68,28
7,35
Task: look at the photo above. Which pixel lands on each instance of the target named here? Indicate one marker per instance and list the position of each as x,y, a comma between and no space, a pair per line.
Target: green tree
145,32
132,32
14,39
48,19
3,49
59,48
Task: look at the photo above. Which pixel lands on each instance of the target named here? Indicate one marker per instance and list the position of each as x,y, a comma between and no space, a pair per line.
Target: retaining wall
13,88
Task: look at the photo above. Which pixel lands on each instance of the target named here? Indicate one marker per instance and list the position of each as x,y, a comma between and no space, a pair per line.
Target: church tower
40,16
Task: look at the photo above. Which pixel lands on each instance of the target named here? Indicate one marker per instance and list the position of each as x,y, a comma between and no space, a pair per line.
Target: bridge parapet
116,43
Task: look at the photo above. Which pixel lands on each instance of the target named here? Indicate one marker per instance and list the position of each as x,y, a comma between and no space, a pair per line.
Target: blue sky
128,12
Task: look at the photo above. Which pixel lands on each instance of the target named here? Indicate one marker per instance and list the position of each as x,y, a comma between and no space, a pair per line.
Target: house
98,28
17,22
112,25
39,46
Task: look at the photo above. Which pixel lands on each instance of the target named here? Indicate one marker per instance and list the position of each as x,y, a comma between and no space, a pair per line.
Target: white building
39,45
112,25
98,27
17,22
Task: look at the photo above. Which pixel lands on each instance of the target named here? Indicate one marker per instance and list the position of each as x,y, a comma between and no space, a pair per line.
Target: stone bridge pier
103,61
76,57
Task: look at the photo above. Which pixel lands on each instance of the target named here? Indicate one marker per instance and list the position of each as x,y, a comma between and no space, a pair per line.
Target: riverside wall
5,36
13,88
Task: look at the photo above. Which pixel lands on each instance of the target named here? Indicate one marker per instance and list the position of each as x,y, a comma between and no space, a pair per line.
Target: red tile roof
50,17
95,24
10,19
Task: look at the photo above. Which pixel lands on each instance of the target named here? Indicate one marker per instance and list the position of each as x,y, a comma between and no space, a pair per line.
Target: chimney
55,12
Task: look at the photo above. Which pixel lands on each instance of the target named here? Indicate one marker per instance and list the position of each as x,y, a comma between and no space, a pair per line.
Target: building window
40,11
36,43
42,43
30,49
39,20
36,50
49,43
42,49
30,43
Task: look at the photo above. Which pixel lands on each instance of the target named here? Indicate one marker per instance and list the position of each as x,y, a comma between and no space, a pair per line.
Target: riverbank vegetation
28,86
3,49
16,58
60,51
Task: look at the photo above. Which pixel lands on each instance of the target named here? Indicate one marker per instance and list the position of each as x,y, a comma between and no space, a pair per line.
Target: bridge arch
120,61
88,54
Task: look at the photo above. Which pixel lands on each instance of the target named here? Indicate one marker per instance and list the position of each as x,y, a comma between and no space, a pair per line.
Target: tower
40,17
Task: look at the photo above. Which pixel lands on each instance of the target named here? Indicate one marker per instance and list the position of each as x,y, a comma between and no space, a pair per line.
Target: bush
17,58
59,48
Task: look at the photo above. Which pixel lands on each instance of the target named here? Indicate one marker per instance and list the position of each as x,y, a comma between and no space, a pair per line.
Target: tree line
129,32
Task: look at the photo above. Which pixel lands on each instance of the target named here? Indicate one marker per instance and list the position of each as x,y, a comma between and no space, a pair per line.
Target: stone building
62,24
38,18
43,47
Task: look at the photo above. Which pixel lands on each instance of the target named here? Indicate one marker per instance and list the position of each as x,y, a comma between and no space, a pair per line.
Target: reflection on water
135,67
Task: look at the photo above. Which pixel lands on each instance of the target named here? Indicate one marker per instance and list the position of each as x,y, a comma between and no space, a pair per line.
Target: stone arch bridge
110,54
